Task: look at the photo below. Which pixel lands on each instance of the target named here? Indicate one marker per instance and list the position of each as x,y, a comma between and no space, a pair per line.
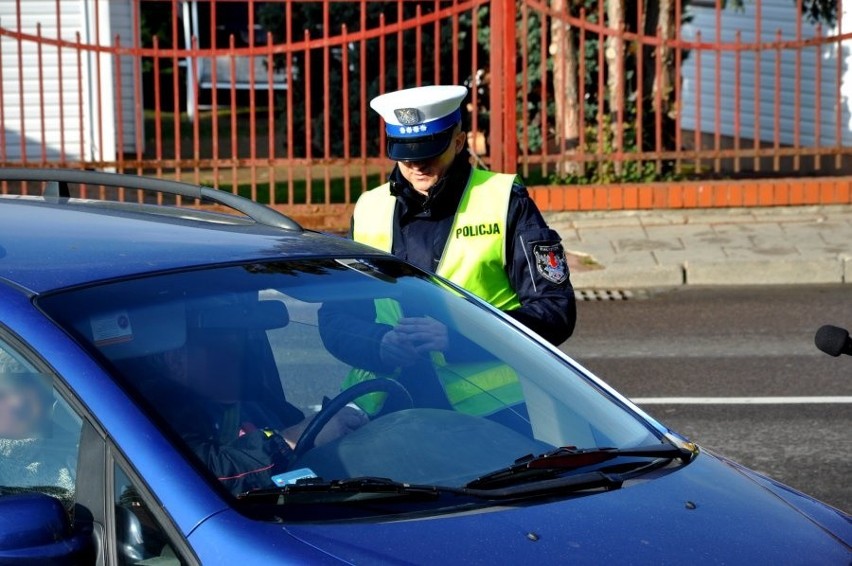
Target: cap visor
419,149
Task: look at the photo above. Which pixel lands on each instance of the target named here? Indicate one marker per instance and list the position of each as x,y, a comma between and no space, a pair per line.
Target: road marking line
741,400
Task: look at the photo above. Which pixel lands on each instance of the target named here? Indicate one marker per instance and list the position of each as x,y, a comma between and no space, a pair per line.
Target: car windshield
421,383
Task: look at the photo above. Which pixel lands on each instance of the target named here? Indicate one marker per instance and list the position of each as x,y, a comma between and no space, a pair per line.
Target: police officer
477,228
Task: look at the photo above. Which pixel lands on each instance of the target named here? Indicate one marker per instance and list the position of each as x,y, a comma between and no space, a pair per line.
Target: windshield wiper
532,468
318,490
370,489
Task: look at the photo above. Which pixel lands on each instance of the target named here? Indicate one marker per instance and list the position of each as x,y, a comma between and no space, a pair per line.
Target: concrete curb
629,277
767,272
744,272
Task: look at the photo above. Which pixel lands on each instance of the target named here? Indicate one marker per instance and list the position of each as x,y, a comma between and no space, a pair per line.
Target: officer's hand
396,350
341,424
425,334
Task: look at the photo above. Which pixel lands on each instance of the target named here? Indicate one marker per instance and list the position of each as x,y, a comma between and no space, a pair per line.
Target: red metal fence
270,99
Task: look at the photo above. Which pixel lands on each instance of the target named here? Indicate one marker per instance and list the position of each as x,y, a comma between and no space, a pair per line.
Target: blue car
188,385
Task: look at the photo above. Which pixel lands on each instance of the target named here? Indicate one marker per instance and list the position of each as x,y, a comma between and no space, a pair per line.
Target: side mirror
35,528
833,340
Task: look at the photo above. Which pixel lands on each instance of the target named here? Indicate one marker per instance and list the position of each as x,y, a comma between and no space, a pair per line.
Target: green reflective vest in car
479,388
474,258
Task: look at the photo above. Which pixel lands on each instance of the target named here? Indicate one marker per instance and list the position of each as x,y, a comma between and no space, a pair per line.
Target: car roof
48,244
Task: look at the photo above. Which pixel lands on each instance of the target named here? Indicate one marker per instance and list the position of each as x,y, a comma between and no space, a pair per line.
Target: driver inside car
211,397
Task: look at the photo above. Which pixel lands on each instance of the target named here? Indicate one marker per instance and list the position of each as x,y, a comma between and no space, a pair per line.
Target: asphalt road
751,342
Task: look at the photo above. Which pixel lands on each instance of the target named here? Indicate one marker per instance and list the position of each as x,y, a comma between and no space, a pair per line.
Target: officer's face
424,174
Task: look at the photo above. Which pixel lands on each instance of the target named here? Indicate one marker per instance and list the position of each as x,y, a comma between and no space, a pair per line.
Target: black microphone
833,340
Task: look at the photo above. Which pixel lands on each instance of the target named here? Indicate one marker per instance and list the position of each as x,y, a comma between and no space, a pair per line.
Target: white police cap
419,122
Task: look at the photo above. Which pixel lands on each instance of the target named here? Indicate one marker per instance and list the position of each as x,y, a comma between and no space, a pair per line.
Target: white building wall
61,117
21,113
123,20
776,15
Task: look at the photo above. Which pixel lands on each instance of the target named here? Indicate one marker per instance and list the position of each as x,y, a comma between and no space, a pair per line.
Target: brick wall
695,194
692,194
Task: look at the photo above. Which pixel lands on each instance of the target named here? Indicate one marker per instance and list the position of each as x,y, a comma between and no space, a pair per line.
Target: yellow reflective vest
473,258
475,254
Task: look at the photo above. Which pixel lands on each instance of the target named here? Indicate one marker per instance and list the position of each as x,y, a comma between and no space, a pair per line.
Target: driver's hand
424,334
347,420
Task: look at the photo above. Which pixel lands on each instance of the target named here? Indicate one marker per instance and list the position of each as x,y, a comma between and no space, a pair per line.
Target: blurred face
424,174
22,411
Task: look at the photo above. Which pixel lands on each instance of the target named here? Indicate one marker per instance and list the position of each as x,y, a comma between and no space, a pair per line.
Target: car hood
710,511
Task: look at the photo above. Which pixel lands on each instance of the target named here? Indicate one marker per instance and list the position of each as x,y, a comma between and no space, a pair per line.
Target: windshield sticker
550,262
111,328
293,476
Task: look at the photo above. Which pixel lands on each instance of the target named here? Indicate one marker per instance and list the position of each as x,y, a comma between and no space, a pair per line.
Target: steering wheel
378,385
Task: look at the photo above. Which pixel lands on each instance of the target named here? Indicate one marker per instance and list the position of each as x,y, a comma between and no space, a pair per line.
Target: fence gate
270,99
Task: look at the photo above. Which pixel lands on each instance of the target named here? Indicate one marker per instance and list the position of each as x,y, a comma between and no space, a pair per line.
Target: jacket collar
443,198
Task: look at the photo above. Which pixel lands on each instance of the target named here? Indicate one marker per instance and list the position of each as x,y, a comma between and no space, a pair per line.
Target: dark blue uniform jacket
422,226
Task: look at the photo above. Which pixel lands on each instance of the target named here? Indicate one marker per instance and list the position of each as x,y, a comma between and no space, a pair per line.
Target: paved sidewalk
660,248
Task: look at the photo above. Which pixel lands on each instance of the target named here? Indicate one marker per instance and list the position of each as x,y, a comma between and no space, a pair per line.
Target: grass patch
332,193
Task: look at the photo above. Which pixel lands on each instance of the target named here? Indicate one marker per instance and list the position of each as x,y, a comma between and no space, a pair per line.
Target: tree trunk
615,72
663,84
564,56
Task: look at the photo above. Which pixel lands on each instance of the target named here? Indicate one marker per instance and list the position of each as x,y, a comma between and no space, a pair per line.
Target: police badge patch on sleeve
550,262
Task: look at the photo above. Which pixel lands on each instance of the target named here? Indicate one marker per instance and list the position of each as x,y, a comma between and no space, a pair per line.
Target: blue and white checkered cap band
424,129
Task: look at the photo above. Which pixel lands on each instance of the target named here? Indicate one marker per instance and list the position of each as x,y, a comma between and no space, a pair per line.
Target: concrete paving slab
808,222
710,239
723,241
771,240
827,224
564,230
597,247
708,218
735,229
612,234
793,211
780,252
618,222
801,217
664,219
831,232
567,235
629,245
680,257
597,218
770,229
819,248
715,247
639,259
669,231
765,272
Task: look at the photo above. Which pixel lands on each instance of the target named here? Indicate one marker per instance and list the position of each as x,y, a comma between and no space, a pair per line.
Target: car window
298,349
39,431
139,537
429,385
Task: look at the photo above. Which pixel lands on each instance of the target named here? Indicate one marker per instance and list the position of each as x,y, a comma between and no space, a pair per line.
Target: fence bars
280,106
